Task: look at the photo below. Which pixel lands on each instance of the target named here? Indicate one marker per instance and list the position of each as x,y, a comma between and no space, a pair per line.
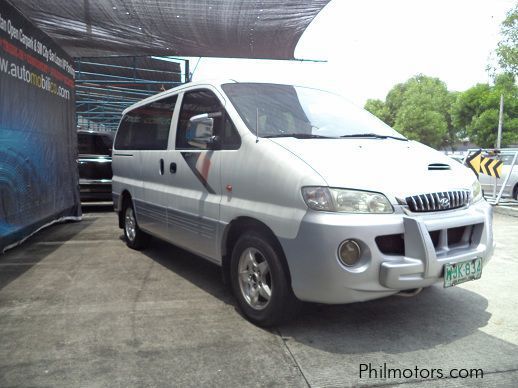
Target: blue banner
38,139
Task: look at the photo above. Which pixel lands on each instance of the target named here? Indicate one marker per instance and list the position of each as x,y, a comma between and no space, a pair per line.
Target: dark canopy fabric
144,68
223,28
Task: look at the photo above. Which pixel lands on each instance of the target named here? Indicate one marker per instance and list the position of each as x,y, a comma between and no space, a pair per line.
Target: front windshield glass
508,159
285,110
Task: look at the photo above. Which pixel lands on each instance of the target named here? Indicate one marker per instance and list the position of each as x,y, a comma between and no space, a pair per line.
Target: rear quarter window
146,127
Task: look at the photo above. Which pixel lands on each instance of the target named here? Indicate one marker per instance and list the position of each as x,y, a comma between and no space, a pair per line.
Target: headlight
476,192
347,201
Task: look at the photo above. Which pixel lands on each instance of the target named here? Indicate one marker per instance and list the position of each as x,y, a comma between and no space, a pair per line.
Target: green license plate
462,272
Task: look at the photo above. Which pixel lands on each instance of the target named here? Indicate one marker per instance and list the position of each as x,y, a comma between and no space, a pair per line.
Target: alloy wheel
255,281
130,224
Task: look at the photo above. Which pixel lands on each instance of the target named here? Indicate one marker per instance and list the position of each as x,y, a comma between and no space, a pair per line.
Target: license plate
462,272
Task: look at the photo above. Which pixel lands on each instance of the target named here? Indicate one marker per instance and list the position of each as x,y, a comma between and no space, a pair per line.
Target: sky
371,45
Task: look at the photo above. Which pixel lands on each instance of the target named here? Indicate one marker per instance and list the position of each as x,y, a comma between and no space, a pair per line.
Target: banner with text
38,139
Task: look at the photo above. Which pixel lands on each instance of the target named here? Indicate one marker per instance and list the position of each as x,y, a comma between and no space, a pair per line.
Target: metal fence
503,190
106,86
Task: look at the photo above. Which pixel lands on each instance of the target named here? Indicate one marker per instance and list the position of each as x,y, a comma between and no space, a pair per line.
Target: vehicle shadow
18,260
435,316
195,269
392,325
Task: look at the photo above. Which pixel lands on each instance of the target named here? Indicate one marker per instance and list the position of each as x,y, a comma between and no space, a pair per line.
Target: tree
379,109
395,99
420,109
507,50
476,112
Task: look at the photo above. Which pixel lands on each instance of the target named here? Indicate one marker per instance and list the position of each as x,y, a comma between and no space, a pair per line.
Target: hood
393,167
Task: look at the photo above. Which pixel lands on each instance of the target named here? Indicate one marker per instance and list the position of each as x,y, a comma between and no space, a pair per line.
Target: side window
204,101
146,127
230,139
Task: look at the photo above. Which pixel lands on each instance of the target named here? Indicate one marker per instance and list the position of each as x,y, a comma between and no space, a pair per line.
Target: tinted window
95,143
146,127
204,101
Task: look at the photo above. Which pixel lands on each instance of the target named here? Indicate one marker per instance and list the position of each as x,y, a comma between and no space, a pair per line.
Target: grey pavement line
103,215
123,307
100,216
287,348
446,378
30,264
75,242
506,211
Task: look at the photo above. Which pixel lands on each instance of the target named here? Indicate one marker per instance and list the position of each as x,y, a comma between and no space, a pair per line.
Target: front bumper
95,189
317,275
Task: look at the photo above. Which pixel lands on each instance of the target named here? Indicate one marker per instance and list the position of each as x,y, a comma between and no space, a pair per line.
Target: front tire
260,282
135,238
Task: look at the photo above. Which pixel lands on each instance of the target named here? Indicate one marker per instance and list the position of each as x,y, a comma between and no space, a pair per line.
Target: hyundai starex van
297,195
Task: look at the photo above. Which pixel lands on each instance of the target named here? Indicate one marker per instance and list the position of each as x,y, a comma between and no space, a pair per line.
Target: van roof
200,83
177,89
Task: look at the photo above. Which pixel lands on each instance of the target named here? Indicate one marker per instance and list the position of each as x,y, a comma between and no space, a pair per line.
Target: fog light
349,252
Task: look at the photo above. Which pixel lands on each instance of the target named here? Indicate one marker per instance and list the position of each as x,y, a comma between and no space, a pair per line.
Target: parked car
297,195
95,165
511,188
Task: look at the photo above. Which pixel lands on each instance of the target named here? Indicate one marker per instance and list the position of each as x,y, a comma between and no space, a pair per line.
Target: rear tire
260,282
135,238
515,192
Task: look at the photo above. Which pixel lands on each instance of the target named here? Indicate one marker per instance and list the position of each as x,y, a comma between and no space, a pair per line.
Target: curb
506,210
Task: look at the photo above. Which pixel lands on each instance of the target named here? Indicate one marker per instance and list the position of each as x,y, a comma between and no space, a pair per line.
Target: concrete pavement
78,308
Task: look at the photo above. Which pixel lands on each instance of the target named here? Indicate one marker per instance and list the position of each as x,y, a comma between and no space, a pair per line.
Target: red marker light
229,188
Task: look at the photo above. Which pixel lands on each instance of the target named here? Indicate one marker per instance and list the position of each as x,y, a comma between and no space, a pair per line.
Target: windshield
285,110
508,159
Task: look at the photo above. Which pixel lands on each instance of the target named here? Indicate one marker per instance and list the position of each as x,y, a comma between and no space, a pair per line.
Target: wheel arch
234,230
125,196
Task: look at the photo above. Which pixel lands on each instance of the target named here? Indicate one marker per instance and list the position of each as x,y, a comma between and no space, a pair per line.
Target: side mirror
200,132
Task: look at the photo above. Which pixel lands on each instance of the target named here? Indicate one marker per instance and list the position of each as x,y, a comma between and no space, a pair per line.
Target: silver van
297,195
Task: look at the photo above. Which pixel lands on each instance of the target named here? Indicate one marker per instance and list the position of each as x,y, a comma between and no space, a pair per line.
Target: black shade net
222,28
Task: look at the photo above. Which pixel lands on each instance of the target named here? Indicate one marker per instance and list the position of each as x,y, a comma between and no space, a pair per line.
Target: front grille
455,235
392,244
433,202
443,240
435,235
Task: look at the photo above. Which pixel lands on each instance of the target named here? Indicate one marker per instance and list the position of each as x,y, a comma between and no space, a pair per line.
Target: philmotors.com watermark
370,371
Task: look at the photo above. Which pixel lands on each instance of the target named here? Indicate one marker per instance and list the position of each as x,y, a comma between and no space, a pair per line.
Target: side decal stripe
191,158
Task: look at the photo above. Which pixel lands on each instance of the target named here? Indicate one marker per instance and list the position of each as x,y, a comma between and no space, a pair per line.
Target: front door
193,213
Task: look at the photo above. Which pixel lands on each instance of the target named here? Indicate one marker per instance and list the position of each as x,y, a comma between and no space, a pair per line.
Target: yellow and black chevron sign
473,162
488,166
491,167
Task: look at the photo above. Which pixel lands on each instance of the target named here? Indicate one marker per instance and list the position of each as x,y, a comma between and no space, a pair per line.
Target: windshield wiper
300,136
374,135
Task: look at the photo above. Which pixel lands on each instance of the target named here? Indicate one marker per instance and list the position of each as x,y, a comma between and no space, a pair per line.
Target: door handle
161,167
172,168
